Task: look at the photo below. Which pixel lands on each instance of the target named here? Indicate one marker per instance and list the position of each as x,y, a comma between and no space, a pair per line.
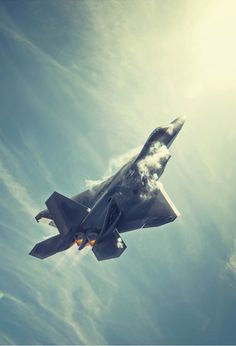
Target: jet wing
50,247
86,198
141,212
66,213
62,212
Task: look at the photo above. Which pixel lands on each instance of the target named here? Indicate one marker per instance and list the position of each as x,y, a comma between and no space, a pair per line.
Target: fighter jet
131,199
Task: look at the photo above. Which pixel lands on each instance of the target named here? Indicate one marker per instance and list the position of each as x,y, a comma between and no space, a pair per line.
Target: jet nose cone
182,119
174,127
179,121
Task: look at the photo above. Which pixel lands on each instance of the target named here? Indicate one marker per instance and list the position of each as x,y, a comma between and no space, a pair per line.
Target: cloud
231,263
92,183
17,191
136,64
119,161
5,339
38,158
114,165
5,295
150,168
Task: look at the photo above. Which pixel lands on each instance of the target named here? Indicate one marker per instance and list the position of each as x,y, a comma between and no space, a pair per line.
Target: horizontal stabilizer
50,247
66,213
111,246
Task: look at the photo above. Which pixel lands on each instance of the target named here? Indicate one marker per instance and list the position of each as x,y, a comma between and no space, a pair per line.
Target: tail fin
66,213
111,246
50,247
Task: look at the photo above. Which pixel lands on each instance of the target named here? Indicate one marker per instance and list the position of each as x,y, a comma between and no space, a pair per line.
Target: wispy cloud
37,157
114,164
5,295
18,192
138,63
150,167
119,161
231,262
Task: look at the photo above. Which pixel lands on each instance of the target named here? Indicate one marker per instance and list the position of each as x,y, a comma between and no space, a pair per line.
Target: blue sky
82,83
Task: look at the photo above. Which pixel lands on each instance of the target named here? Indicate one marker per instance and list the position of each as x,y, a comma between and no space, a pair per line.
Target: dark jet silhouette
131,199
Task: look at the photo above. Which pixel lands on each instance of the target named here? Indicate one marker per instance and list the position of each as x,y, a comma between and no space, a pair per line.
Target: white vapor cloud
90,183
119,161
114,165
150,167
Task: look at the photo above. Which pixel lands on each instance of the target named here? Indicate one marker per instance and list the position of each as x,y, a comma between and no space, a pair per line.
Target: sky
81,84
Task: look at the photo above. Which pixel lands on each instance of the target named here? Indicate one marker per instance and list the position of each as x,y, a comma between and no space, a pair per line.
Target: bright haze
82,83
